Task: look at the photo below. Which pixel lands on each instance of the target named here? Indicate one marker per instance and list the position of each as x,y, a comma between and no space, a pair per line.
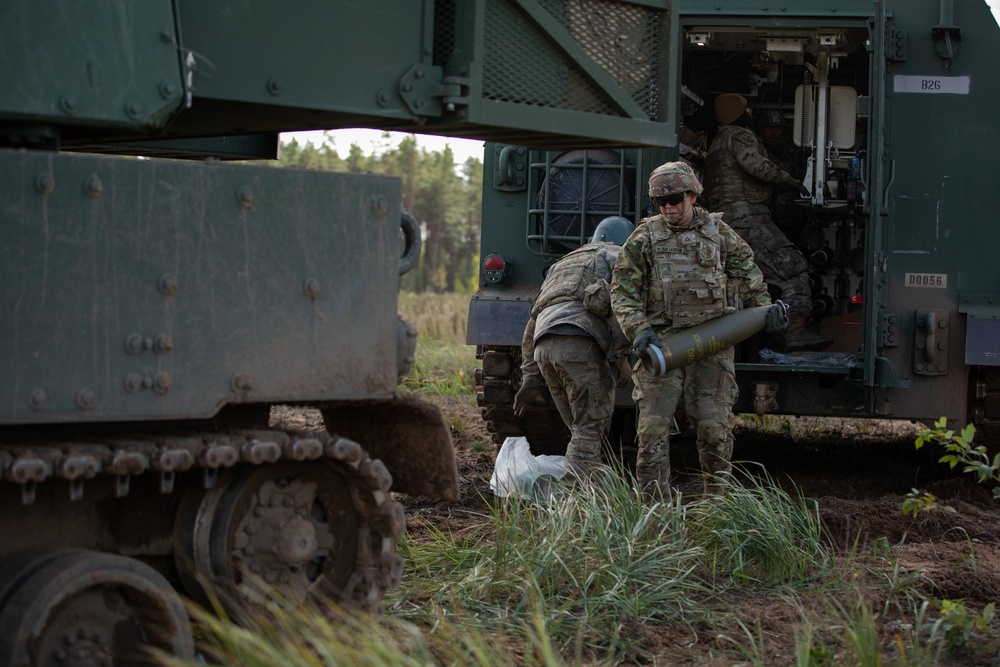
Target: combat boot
799,339
654,483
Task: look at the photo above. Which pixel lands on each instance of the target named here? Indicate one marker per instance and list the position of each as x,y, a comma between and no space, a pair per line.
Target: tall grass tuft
280,632
442,317
591,566
582,578
284,633
757,535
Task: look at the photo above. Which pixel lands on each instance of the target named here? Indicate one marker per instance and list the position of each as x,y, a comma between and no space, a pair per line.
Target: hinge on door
427,93
890,330
895,43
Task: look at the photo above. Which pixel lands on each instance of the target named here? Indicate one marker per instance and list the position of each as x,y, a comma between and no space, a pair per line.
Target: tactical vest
689,281
575,278
725,179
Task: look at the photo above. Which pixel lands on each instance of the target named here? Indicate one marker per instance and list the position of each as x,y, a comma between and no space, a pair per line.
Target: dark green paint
115,66
82,274
930,173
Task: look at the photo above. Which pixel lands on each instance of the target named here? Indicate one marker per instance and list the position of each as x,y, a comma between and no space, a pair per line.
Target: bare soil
859,472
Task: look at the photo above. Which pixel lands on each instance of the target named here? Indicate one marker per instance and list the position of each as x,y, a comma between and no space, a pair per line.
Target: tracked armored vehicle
159,298
888,108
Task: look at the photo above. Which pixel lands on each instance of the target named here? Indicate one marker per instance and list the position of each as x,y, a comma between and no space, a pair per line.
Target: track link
497,381
379,568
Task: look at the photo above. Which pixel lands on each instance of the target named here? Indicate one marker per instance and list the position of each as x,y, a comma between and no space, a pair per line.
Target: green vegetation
960,450
445,198
586,578
444,364
601,577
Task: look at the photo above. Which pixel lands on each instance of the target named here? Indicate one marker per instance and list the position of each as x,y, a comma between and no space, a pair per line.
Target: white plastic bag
519,472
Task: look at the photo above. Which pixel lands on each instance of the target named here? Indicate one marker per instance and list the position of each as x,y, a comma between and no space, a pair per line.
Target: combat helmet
614,229
673,177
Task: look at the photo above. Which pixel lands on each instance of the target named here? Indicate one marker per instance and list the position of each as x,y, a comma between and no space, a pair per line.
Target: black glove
644,339
531,393
796,186
776,319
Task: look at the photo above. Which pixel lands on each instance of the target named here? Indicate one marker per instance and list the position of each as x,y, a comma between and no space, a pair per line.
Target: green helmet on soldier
673,177
614,229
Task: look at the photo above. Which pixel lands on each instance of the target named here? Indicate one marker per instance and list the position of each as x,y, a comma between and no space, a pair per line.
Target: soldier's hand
531,394
624,370
644,339
776,319
796,186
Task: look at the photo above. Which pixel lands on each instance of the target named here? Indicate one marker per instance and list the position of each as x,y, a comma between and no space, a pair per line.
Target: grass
581,579
600,577
759,536
591,567
444,364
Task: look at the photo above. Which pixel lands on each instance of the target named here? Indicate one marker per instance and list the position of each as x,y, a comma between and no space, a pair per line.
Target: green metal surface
608,62
543,72
142,289
109,65
236,147
253,53
538,72
728,9
925,232
939,169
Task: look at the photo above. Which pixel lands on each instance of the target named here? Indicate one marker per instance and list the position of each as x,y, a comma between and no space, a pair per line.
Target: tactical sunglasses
669,200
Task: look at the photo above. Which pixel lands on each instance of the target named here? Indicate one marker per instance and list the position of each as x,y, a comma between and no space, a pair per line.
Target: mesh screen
444,32
522,65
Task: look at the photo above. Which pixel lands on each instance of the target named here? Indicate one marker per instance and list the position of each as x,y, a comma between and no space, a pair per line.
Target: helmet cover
673,177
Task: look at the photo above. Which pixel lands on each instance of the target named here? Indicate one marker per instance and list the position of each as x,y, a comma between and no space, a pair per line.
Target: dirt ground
859,472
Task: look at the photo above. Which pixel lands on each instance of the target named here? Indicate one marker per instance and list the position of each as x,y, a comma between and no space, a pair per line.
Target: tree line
444,197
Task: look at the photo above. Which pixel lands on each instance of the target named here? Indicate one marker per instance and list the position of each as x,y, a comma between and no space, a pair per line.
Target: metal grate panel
542,53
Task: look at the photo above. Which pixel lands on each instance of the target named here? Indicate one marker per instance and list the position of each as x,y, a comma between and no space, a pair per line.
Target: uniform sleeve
529,369
626,287
740,266
748,153
619,343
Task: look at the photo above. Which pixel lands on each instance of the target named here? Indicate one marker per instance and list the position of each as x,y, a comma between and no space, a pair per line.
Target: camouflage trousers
709,390
782,263
579,378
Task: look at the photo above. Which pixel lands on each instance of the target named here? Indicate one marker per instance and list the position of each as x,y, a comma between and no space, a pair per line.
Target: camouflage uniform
739,182
790,216
568,342
670,278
